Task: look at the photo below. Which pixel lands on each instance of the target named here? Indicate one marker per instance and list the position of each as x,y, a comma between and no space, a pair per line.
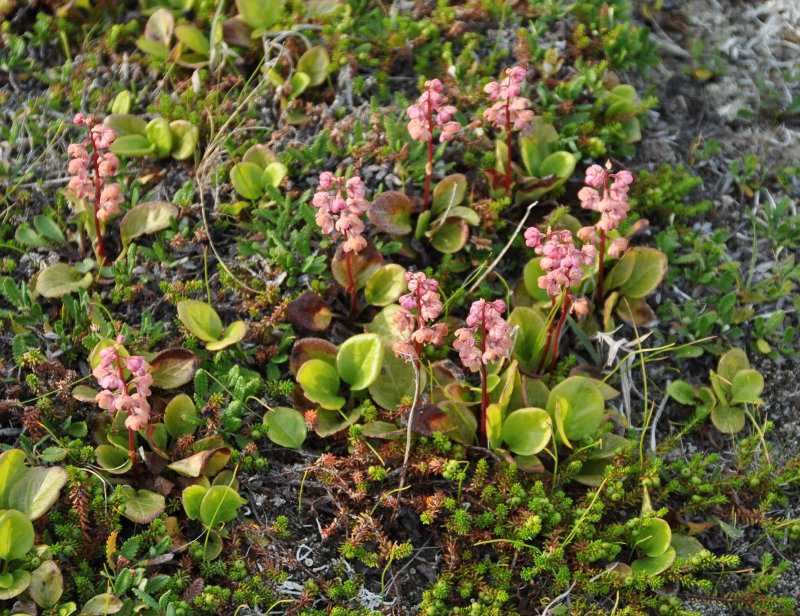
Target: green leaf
102,604
685,546
248,180
47,584
184,139
652,566
648,272
395,382
191,498
16,535
728,419
286,427
527,431
145,218
298,82
449,192
681,392
586,406
220,505
122,103
731,362
37,490
132,145
153,48
386,285
113,459
451,235
200,319
232,334
180,416
160,135
391,212
194,38
199,463
160,27
314,63
260,155
747,386
531,336
48,228
259,14
320,383
12,466
126,124
621,272
142,506
654,537
60,279
530,276
29,237
359,360
561,164
273,174
20,580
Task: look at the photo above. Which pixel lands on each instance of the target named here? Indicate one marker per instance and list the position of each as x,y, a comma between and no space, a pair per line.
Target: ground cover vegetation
342,307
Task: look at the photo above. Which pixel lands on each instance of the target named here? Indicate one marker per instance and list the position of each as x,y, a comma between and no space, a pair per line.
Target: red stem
540,365
351,284
131,441
601,269
508,147
557,333
98,187
484,441
429,165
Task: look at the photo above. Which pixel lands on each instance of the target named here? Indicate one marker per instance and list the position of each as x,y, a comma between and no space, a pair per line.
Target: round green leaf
654,565
649,269
561,164
259,14
37,490
449,192
530,276
260,155
320,383
184,139
395,382
248,180
133,145
586,405
142,506
274,174
102,604
219,506
747,386
19,582
200,319
145,218
728,419
314,63
386,285
122,103
654,537
153,48
681,392
12,466
451,236
179,416
359,360
47,584
731,362
383,324
194,38
685,546
113,459
126,124
61,278
160,135
232,334
173,367
16,534
191,498
299,82
527,431
286,427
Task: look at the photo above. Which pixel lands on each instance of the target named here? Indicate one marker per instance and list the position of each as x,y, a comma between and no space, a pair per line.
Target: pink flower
335,212
612,203
562,261
116,394
484,321
429,113
510,109
420,306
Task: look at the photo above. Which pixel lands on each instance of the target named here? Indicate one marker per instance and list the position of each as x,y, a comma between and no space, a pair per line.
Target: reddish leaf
311,348
173,367
362,265
310,312
391,212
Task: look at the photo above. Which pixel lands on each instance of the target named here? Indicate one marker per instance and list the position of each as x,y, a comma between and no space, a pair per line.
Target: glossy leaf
173,367
16,535
386,285
449,192
194,38
102,604
180,416
200,319
59,279
359,360
732,362
231,335
395,382
184,139
362,265
391,212
37,490
286,427
309,311
47,584
654,537
527,431
649,270
113,459
133,145
747,386
586,406
311,348
248,180
19,582
451,235
142,506
314,63
12,467
220,505
273,175
728,419
191,498
145,218
320,383
531,336
259,14
126,124
653,565
160,135
198,463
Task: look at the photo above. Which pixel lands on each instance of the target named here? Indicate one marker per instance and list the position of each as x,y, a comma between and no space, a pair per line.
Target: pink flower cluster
104,164
562,261
496,341
116,394
511,109
335,211
429,112
420,306
612,204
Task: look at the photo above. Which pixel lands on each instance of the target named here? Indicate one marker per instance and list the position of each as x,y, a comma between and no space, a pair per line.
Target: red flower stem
131,442
351,284
601,269
429,165
484,441
557,333
98,187
508,147
549,338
